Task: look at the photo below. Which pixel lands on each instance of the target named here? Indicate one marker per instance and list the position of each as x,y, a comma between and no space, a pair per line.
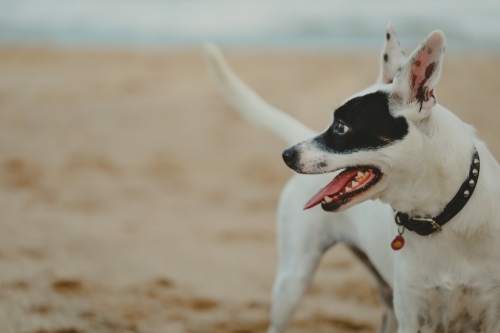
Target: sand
134,199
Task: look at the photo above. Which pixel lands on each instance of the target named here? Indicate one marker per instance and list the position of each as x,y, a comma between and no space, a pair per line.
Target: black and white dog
393,143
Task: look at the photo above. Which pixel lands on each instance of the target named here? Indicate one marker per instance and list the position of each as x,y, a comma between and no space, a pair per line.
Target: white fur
450,279
396,55
251,105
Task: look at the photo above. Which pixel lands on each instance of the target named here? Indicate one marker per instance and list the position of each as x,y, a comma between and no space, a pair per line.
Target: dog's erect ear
392,57
415,83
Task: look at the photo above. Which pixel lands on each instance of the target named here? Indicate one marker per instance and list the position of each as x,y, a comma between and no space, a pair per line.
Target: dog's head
377,134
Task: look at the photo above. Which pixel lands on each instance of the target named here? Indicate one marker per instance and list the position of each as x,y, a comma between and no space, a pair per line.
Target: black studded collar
427,226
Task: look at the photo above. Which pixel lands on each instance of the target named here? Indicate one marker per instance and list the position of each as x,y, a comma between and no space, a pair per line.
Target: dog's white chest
455,296
460,309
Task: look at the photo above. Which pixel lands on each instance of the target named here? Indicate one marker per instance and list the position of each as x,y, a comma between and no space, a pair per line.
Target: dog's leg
303,237
294,276
291,282
389,322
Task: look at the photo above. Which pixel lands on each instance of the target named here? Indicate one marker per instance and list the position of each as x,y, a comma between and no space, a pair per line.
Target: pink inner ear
423,66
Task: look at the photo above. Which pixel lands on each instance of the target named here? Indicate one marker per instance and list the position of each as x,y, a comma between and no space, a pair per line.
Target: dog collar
427,226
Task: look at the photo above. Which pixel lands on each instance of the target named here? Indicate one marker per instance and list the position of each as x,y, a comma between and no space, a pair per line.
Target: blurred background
134,199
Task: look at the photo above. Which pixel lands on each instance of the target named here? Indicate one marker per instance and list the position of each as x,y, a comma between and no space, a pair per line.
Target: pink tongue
334,187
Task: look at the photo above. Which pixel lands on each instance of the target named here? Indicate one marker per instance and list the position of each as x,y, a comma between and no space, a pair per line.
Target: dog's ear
392,57
415,83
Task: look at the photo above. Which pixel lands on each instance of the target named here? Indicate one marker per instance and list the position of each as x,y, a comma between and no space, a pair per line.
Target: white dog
419,164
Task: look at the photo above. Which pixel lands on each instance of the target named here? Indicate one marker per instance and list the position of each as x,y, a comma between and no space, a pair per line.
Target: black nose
290,156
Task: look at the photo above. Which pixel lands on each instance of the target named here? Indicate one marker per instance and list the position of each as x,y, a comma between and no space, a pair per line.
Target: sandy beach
134,199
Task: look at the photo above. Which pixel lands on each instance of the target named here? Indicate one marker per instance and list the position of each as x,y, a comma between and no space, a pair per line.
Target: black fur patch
322,164
371,125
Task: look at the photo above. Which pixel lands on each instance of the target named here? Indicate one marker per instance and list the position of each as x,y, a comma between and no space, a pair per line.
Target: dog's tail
251,106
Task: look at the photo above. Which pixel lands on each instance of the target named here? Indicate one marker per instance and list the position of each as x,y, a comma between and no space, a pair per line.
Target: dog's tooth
323,202
367,173
341,193
327,199
354,184
360,174
347,189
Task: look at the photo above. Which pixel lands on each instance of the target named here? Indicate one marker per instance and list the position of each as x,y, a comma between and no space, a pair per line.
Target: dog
395,156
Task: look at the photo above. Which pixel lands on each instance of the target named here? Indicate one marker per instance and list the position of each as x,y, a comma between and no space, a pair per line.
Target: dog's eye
341,128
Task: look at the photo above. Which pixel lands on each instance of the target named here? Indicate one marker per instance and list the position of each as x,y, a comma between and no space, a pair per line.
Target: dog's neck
435,170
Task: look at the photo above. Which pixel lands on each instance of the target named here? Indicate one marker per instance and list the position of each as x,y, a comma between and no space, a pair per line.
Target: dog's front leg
407,302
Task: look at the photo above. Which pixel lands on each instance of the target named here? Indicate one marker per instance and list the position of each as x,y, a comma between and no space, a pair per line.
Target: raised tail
251,106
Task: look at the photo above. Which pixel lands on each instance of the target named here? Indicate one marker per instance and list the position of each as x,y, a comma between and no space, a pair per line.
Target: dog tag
398,243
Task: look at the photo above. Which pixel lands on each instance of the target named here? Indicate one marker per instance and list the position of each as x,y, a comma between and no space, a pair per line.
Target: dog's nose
290,156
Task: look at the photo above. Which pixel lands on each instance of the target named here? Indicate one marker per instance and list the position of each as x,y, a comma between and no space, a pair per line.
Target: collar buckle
434,224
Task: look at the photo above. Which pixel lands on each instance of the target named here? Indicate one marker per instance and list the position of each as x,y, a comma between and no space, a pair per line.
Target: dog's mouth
347,185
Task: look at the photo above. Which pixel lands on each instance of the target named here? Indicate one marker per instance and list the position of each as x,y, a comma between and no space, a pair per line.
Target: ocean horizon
470,26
